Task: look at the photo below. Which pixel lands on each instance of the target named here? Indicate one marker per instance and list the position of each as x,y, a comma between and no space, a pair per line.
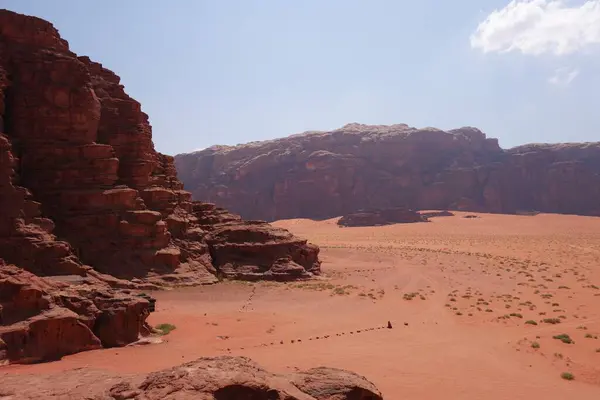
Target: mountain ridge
425,168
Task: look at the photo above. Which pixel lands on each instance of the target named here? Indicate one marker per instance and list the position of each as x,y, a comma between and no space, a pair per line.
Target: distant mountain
326,174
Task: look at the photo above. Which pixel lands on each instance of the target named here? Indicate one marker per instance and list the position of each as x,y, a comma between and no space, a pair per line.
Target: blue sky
228,72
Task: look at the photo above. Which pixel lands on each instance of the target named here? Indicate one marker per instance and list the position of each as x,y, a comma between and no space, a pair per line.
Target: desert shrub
165,329
567,376
551,321
410,296
563,337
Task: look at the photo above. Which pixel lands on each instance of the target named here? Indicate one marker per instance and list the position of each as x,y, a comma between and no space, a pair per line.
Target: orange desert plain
475,305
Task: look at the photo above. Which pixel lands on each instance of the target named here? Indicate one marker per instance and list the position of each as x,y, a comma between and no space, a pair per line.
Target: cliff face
78,156
83,193
328,174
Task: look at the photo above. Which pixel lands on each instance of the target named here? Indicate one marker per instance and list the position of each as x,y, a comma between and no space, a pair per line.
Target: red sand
448,287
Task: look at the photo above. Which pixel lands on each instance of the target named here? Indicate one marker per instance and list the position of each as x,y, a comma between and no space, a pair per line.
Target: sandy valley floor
467,299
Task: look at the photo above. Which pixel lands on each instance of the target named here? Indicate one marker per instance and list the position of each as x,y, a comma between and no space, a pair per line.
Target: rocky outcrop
83,150
226,377
56,124
87,203
46,318
386,216
25,235
436,213
219,378
328,174
253,250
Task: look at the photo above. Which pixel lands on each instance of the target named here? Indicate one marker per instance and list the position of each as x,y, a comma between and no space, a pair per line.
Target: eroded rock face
328,174
387,216
87,203
78,161
253,250
44,319
25,235
219,378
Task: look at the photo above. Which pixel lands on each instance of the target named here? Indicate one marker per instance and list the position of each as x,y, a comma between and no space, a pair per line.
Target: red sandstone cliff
83,150
328,174
83,193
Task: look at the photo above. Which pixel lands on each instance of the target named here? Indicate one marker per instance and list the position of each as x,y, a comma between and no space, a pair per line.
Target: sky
232,71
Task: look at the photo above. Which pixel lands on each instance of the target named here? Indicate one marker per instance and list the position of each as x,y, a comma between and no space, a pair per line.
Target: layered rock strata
79,153
43,319
328,174
87,204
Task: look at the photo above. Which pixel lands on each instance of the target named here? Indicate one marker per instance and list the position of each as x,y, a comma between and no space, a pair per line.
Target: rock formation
240,378
43,319
436,213
88,204
328,174
252,250
219,378
387,216
78,161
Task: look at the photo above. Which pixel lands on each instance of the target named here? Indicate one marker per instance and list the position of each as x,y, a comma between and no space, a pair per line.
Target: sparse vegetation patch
165,329
563,337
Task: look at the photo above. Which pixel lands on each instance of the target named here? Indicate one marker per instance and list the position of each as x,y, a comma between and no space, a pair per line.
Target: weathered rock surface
78,161
253,250
87,203
328,174
387,216
219,378
45,318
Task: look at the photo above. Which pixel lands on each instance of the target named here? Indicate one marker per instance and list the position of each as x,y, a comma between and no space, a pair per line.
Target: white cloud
536,27
563,76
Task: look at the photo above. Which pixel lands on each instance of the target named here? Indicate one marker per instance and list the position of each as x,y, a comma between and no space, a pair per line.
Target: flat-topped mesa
323,175
386,216
83,150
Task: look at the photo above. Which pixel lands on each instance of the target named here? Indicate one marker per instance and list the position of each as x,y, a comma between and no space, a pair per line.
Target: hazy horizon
233,71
